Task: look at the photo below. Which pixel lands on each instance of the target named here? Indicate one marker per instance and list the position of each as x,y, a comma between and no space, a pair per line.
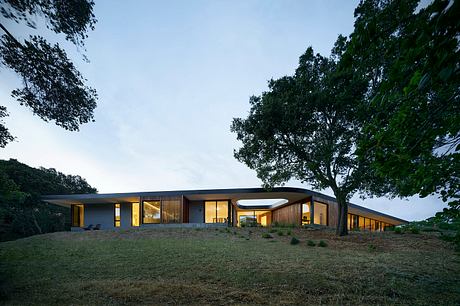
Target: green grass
178,266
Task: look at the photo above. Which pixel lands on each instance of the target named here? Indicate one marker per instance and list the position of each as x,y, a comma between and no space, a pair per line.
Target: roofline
214,191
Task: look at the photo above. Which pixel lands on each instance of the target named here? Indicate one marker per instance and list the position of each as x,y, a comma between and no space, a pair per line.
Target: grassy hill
228,266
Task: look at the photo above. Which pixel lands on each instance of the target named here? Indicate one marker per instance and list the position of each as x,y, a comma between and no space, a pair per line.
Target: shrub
322,244
266,236
415,230
272,230
372,248
311,243
398,230
280,233
289,233
294,240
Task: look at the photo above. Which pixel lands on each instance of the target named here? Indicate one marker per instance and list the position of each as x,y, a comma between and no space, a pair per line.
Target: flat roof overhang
291,194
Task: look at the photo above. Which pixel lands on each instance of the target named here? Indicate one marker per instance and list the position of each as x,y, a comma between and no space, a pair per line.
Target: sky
171,76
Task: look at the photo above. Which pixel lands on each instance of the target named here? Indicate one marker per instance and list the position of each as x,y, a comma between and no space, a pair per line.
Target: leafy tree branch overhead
52,87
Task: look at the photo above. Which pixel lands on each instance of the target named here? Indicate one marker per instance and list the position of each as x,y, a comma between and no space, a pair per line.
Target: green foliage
22,213
306,126
372,248
311,243
289,233
267,236
294,241
410,58
398,230
53,88
272,230
322,244
280,233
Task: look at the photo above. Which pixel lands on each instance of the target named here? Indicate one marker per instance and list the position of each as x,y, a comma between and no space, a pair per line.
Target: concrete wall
196,212
102,214
125,214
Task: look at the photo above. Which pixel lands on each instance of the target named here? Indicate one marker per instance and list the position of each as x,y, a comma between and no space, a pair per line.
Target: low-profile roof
291,194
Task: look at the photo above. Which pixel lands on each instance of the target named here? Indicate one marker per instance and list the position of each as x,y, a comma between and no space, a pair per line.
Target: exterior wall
102,214
332,210
125,214
290,214
196,212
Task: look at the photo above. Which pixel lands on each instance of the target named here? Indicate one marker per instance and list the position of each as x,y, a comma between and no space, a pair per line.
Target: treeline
22,213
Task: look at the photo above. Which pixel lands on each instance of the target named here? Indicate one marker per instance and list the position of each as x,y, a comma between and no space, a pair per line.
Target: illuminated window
151,211
78,214
135,214
361,223
117,215
320,213
367,223
216,211
253,217
306,213
170,211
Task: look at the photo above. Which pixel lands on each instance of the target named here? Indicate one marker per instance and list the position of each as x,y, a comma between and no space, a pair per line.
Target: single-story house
214,207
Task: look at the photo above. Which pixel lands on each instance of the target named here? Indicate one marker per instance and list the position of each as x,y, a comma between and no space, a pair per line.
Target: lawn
228,266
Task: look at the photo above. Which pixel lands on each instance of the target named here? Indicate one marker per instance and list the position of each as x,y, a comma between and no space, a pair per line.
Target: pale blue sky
171,75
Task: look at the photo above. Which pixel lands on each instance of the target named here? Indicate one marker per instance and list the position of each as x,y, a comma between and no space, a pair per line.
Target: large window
78,214
216,211
151,211
253,217
170,212
364,223
320,213
117,215
306,213
135,214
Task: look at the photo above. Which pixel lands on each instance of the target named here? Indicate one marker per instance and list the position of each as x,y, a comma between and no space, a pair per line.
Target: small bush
415,230
311,243
280,233
289,233
272,230
372,248
294,241
398,230
322,244
266,236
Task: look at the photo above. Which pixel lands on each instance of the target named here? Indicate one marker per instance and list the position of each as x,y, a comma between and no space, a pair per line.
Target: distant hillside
21,211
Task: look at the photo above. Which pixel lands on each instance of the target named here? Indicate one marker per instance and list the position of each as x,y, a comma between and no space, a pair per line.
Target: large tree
52,87
306,127
410,56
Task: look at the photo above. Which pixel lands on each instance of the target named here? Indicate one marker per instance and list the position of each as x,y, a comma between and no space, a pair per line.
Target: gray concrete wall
196,212
102,214
125,214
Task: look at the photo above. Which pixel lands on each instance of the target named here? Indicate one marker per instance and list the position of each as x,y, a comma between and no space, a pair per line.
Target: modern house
226,207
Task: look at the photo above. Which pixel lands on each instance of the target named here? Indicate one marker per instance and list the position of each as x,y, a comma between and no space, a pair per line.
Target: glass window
222,211
367,224
78,215
151,211
135,211
361,223
372,225
264,217
170,211
216,211
320,213
355,221
247,218
306,215
117,215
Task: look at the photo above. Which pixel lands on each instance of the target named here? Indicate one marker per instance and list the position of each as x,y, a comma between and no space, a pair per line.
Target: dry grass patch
216,266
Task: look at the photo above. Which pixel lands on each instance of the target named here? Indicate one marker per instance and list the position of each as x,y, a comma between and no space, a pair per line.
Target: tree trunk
342,213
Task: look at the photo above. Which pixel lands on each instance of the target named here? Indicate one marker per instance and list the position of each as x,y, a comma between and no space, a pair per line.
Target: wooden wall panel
289,214
333,214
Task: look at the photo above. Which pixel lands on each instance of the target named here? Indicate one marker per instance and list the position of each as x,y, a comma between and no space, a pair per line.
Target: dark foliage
52,87
410,58
21,211
306,127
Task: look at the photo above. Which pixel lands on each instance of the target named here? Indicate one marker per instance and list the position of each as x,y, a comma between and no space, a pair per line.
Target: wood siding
289,214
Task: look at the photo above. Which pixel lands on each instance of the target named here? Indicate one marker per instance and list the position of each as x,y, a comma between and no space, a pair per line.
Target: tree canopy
409,55
306,127
22,213
52,87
